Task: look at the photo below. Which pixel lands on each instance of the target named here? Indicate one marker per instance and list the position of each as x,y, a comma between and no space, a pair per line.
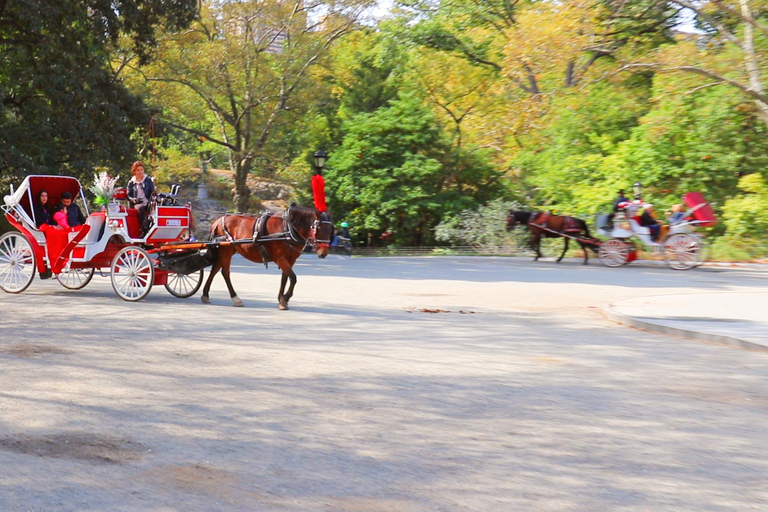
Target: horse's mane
301,216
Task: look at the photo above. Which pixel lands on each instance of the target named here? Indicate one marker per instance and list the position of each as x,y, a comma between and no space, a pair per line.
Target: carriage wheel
184,285
75,278
613,252
132,273
682,251
17,263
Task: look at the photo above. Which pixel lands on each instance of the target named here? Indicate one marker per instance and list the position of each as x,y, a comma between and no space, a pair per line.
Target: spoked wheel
184,285
75,278
682,251
613,252
17,263
132,273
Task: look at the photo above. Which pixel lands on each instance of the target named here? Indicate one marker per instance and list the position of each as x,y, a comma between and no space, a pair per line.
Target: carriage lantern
320,157
637,188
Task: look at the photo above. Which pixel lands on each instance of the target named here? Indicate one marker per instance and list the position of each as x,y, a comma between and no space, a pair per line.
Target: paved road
418,384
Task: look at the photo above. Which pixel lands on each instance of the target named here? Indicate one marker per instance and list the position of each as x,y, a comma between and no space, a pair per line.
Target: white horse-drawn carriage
682,248
110,241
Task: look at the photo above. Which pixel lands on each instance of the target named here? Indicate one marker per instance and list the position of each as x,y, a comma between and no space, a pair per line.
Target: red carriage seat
133,224
702,211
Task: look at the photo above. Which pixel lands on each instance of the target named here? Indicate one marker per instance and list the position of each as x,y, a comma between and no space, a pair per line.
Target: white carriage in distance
111,242
681,247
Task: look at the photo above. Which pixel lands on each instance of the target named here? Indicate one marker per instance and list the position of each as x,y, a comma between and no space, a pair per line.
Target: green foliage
396,173
746,216
62,109
695,142
569,164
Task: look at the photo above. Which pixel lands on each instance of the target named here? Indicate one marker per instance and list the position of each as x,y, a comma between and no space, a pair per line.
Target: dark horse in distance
554,226
279,237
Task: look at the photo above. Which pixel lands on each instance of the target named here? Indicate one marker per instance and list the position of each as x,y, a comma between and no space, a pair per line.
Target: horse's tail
590,241
584,227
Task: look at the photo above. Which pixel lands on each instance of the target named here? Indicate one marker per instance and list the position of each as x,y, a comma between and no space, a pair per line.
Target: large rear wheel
76,278
682,251
132,273
184,285
17,263
614,252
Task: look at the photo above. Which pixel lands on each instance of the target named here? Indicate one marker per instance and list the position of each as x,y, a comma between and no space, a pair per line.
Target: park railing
439,251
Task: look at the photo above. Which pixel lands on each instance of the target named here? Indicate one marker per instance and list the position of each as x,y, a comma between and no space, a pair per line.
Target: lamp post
320,157
637,188
202,188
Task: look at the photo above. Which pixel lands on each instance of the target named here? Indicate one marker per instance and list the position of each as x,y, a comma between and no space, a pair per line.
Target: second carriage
682,247
111,242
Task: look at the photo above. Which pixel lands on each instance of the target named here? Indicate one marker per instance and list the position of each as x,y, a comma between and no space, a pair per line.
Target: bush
484,228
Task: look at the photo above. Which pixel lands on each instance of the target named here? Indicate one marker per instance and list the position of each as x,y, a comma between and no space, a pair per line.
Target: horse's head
321,234
515,217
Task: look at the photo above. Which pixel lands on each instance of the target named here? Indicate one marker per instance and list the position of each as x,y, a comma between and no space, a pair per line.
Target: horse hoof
205,300
237,302
282,307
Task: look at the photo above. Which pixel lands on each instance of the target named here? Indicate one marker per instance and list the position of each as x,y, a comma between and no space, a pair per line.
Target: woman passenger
42,215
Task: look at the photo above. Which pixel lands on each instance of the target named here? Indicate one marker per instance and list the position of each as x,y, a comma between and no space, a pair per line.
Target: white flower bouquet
103,188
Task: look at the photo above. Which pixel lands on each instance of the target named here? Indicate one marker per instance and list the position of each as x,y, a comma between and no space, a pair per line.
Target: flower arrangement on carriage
103,188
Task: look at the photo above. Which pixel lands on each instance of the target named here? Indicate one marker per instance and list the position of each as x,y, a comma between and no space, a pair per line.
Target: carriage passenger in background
75,216
60,216
42,215
648,219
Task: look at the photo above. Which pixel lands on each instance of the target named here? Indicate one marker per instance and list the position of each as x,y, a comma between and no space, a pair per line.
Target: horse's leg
586,252
226,260
565,249
214,269
537,246
283,297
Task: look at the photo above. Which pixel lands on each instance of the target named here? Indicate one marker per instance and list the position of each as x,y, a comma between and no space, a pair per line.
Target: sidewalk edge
676,331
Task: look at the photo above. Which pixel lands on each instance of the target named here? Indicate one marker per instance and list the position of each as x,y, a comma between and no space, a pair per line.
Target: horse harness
288,234
570,225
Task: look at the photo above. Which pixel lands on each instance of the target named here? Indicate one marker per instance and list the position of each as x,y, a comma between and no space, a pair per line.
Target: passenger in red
60,215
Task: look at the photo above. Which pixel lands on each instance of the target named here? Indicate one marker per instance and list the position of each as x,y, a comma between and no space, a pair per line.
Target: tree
396,172
61,107
730,51
238,75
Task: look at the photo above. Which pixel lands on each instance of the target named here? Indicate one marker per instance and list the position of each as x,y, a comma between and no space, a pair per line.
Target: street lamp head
320,158
637,188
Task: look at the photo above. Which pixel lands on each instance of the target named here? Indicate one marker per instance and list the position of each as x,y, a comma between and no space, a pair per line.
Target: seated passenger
42,215
60,216
648,219
140,190
677,214
75,217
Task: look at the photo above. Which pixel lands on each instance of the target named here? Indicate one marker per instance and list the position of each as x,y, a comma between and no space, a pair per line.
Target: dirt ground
392,384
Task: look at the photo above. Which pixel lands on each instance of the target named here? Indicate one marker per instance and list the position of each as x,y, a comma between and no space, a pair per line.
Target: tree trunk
240,193
750,60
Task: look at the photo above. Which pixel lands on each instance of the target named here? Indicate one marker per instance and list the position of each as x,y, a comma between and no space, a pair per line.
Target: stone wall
204,212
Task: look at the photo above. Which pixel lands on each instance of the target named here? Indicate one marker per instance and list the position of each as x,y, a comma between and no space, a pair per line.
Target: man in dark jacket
75,217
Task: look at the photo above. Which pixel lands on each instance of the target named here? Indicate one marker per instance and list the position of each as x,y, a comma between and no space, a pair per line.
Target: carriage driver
140,190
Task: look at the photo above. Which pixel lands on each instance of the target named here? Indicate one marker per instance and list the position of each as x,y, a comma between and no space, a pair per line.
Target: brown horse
279,237
554,226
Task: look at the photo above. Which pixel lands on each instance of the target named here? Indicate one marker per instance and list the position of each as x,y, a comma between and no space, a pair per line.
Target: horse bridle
312,239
